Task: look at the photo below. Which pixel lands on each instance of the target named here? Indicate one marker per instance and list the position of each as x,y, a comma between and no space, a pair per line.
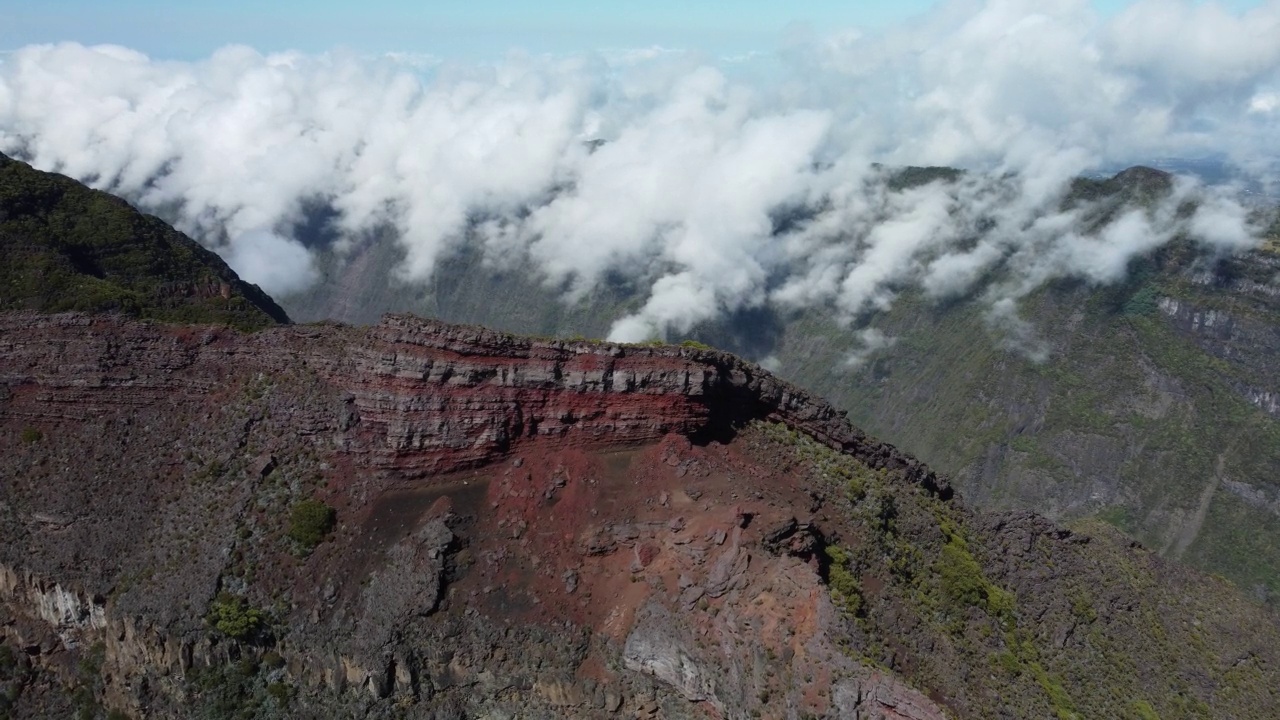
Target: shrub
887,513
846,591
964,584
232,616
31,435
212,471
1143,710
309,522
281,693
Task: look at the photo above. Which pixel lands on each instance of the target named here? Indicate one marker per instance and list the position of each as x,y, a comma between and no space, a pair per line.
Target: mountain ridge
64,246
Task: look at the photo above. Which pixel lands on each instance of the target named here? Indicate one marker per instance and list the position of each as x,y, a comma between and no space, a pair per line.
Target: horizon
482,30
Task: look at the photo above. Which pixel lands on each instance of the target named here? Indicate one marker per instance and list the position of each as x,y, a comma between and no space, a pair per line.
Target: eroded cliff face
539,529
525,528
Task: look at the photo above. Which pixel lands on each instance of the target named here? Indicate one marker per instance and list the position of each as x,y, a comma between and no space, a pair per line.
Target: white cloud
1264,102
1196,44
700,160
271,261
872,340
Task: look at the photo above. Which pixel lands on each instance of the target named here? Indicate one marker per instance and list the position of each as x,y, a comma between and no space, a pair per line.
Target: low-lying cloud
720,185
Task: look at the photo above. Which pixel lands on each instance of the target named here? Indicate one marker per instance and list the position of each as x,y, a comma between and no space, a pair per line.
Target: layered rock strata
495,494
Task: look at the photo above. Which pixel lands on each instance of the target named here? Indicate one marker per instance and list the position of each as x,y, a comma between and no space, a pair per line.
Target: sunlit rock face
583,514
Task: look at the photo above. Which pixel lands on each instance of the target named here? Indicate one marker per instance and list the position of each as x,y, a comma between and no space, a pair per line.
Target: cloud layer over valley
720,184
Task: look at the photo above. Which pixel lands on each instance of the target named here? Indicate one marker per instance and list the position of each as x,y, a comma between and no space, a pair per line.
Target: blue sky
474,29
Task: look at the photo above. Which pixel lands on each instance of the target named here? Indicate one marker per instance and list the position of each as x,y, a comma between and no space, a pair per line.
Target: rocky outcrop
1210,323
68,612
478,482
1246,343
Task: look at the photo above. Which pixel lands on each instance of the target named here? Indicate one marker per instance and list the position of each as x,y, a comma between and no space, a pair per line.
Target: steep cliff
418,519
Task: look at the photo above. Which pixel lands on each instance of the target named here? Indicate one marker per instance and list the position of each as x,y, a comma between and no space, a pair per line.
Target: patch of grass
227,691
963,583
1118,516
1058,697
1142,710
212,471
1023,444
1143,302
31,435
281,693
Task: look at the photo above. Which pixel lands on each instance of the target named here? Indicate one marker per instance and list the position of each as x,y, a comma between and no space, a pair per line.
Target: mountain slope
66,247
548,528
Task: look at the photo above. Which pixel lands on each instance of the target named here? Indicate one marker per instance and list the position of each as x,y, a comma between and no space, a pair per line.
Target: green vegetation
929,589
845,589
1143,302
309,522
66,247
211,472
89,682
281,693
232,616
31,435
1142,710
1124,400
964,584
13,678
912,176
238,691
696,345
1118,516
1023,444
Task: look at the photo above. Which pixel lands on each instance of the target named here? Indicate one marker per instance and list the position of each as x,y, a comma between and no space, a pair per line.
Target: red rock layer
422,396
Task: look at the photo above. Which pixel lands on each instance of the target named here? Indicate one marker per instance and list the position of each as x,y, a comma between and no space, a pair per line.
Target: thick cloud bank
721,185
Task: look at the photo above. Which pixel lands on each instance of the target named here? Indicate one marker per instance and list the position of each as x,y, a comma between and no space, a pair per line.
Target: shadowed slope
66,247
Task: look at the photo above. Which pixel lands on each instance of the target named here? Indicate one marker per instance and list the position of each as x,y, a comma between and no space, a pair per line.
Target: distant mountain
1157,407
66,247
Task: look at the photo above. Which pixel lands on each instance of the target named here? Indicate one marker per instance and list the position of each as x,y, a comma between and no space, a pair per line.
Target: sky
723,161
463,29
